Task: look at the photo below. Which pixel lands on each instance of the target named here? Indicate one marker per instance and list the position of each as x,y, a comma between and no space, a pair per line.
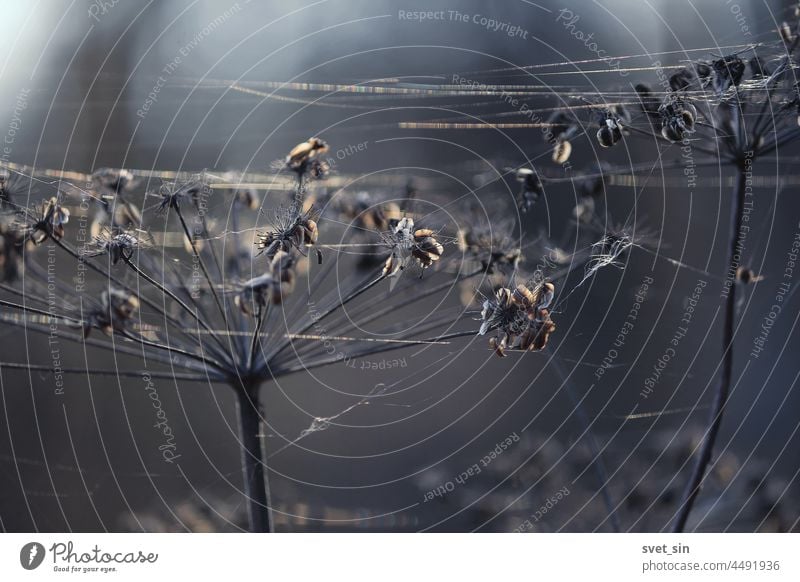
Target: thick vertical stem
724,386
256,486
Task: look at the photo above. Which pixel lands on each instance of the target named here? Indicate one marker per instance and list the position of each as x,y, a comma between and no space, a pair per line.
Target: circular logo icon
31,555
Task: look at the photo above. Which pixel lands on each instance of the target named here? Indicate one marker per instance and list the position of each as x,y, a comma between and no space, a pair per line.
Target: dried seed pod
678,118
500,345
606,137
173,194
521,318
293,229
408,243
611,126
318,169
728,71
303,153
381,217
271,287
786,34
50,222
492,247
248,198
392,266
523,297
536,336
117,308
704,72
110,182
282,270
427,250
681,80
123,304
546,293
562,151
531,188
747,276
118,246
584,210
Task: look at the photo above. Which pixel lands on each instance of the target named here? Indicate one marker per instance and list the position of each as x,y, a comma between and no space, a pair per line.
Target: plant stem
256,487
723,388
254,343
177,299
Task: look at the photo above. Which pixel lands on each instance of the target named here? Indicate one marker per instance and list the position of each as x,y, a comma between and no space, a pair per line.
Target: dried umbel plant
727,111
220,324
743,120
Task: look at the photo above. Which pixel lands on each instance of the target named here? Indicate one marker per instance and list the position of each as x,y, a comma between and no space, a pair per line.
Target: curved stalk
724,386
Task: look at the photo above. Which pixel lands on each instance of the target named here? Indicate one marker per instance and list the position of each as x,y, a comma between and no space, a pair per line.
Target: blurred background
77,91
